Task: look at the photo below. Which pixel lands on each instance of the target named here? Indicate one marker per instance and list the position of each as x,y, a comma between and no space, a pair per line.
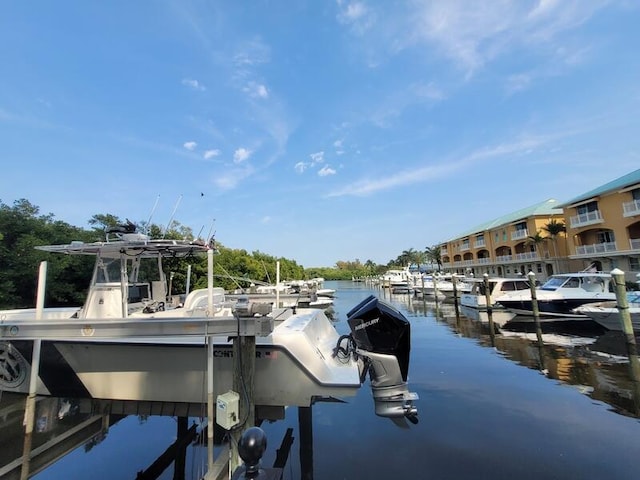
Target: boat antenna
211,229
266,271
148,224
199,233
171,218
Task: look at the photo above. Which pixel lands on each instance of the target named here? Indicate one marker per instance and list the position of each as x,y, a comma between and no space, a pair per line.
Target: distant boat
477,298
396,278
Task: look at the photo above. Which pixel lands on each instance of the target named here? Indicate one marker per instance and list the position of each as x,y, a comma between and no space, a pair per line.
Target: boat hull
293,365
556,309
609,317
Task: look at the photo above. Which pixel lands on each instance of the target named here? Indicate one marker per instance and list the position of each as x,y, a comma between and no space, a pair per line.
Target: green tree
22,228
434,255
554,229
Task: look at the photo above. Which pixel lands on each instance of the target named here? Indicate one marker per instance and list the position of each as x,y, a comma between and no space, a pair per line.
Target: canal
492,405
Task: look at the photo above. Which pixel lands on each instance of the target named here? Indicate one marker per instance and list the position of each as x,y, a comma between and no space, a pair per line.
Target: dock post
210,393
30,406
487,296
623,305
277,283
487,293
534,305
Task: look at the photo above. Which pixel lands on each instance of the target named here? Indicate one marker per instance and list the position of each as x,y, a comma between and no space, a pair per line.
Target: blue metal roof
617,184
546,208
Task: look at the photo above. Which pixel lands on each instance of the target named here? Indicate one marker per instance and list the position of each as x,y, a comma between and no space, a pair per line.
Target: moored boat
128,343
561,294
607,313
477,296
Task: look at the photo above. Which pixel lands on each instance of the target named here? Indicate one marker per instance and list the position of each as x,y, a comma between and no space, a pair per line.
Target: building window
587,208
606,236
539,267
634,264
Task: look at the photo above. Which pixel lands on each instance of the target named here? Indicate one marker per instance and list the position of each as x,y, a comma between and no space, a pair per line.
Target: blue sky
315,130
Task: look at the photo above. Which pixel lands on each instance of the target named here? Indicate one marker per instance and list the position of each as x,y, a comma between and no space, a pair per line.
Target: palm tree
554,228
434,255
536,241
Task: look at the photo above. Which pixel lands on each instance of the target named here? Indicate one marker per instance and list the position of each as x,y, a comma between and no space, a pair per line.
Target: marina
493,403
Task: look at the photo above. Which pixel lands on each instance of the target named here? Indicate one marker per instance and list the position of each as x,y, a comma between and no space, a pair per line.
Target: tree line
23,227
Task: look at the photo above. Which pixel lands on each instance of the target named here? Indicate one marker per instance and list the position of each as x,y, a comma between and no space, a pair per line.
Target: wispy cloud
356,14
241,154
193,84
325,171
364,187
256,90
209,154
316,159
230,178
251,53
473,33
191,145
469,34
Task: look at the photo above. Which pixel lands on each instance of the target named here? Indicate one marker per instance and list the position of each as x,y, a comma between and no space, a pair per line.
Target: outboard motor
383,337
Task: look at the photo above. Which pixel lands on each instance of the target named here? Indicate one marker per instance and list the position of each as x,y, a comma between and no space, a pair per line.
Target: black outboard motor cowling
383,336
378,327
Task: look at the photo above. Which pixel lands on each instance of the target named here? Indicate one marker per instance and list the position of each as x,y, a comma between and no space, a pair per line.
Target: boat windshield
556,282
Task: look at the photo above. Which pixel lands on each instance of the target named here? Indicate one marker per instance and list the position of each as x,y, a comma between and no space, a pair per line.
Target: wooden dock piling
534,305
623,305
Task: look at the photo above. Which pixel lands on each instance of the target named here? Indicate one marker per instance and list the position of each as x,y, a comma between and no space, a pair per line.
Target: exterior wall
589,243
506,251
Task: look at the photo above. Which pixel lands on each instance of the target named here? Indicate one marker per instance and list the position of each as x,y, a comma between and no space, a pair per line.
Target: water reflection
597,362
64,425
59,428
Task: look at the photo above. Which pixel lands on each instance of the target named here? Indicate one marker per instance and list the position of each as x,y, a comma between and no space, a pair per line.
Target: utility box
228,410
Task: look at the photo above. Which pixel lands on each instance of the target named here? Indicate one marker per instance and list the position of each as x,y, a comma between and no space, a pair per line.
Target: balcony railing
463,263
464,247
596,248
519,234
585,219
635,243
504,258
484,260
631,208
479,243
527,256
444,251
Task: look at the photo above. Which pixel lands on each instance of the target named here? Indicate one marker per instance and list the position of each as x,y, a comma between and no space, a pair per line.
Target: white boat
561,294
128,343
608,315
477,298
396,278
325,292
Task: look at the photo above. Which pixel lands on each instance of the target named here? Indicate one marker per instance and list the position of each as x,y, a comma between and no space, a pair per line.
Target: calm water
491,406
